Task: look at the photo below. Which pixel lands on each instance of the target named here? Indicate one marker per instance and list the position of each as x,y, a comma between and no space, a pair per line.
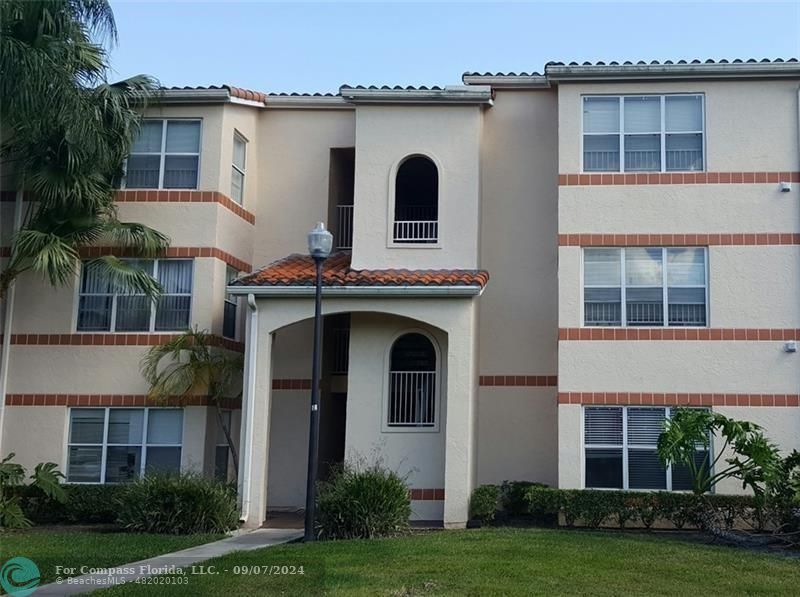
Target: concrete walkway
168,563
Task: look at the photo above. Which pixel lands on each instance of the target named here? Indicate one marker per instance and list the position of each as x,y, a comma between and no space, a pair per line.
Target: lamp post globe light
320,242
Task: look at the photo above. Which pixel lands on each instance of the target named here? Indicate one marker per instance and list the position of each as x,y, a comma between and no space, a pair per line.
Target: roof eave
357,291
313,102
190,96
459,95
507,81
640,72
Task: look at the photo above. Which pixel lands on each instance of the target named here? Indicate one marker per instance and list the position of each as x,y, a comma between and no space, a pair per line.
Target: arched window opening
416,201
412,382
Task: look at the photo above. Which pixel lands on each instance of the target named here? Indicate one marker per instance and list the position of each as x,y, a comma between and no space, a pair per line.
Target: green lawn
63,546
498,562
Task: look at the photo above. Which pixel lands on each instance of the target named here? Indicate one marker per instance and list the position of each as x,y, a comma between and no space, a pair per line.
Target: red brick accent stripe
678,240
291,384
569,180
539,381
726,334
235,262
676,399
109,400
110,339
160,196
427,495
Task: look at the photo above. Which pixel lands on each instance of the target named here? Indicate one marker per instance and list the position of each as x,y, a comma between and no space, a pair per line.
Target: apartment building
531,271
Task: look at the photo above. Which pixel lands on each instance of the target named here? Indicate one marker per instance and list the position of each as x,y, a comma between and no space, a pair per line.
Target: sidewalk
167,563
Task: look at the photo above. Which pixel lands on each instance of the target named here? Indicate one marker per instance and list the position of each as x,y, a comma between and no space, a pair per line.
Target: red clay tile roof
298,270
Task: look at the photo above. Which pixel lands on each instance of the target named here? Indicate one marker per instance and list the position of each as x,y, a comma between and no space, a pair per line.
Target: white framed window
620,450
645,286
115,445
643,133
238,167
231,307
416,202
412,402
100,309
165,155
222,449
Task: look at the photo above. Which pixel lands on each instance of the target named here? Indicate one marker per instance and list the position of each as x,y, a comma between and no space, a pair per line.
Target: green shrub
483,504
514,496
90,504
363,502
177,505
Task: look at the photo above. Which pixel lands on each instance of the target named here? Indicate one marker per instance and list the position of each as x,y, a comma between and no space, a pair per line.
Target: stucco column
462,389
255,431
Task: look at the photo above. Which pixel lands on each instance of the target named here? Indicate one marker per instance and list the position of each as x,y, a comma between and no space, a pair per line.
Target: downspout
7,321
246,432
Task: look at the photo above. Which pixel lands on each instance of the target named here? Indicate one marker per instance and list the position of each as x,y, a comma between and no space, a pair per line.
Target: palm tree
191,365
66,134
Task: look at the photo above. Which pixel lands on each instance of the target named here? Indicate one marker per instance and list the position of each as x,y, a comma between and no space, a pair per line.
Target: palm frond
48,254
124,277
142,240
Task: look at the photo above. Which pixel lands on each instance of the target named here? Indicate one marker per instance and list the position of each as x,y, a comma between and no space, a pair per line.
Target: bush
363,502
182,504
483,504
513,496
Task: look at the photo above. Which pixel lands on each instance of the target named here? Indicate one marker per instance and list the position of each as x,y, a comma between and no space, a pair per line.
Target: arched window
412,382
416,201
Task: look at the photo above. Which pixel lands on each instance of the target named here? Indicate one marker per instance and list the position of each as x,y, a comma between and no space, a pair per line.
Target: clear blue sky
299,46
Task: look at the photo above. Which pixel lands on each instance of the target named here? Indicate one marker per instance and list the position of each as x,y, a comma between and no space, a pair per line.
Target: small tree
688,430
45,478
191,365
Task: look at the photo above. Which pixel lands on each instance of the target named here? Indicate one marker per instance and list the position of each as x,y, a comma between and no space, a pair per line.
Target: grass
63,546
497,562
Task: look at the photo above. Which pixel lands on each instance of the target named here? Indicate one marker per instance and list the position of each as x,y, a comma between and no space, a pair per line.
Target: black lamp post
320,242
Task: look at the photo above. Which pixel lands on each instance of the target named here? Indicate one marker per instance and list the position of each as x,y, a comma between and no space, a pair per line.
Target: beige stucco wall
749,126
385,135
35,434
293,163
518,324
246,121
570,446
676,209
517,435
748,286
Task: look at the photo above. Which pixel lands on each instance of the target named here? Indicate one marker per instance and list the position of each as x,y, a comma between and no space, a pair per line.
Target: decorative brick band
675,399
538,381
161,196
570,180
110,400
110,339
725,334
174,252
427,495
291,384
678,240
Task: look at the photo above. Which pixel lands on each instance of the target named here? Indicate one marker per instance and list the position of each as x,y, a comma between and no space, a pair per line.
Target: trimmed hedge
85,504
595,508
483,504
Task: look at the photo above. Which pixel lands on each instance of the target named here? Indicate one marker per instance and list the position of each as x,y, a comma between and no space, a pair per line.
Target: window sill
397,245
388,429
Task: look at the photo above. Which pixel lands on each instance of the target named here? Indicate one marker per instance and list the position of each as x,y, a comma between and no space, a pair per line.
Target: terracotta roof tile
298,270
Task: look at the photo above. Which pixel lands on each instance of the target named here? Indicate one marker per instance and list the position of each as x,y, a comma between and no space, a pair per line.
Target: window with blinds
238,168
645,133
645,286
116,445
620,450
165,155
102,309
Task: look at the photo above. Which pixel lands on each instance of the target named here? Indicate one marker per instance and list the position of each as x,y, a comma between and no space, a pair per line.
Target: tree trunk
227,432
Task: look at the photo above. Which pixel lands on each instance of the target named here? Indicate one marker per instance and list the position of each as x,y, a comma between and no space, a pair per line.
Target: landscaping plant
183,504
483,503
45,480
363,502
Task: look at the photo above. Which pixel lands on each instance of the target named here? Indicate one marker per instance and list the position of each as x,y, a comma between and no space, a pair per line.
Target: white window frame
143,444
391,242
231,273
387,387
663,133
151,328
625,447
222,442
237,136
163,155
664,288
